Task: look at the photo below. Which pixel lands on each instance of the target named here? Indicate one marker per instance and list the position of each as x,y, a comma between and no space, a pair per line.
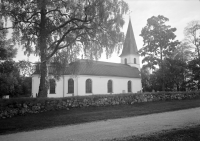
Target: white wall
130,60
35,84
66,78
99,85
59,91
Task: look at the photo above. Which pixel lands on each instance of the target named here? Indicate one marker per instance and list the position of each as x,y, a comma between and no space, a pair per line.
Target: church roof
98,68
129,46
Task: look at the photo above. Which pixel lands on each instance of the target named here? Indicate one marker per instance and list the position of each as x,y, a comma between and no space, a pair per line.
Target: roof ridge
110,63
100,68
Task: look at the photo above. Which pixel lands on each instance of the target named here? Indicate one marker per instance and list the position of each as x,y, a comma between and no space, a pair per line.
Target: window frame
70,86
110,86
52,90
135,62
129,86
125,61
88,86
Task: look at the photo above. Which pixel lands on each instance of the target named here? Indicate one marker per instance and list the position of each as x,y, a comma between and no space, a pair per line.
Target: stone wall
14,107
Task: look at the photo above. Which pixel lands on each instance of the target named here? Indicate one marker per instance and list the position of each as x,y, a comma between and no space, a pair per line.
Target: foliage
61,61
9,78
7,50
178,67
46,26
194,75
174,74
26,87
158,44
192,35
183,52
145,76
25,68
176,70
11,82
158,41
67,23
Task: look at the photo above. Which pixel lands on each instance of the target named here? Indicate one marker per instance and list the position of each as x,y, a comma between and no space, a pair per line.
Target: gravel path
115,128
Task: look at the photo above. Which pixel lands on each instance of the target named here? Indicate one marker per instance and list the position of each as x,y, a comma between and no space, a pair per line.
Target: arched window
70,86
125,61
134,60
129,87
52,84
110,86
88,86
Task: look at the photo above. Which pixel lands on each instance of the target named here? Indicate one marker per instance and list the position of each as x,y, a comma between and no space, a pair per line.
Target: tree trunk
162,71
177,87
199,77
198,52
43,88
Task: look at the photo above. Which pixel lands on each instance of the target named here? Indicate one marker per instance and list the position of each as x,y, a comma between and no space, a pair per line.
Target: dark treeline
170,65
13,80
15,77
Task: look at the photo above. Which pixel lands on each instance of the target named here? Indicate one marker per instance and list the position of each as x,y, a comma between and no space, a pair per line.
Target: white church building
96,77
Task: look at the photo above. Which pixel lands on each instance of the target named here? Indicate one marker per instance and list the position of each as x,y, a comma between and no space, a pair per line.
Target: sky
179,13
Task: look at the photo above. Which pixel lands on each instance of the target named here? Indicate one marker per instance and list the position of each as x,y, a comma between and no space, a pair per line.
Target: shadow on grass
187,134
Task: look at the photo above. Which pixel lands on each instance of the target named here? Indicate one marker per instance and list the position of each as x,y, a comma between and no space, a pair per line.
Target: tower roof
129,46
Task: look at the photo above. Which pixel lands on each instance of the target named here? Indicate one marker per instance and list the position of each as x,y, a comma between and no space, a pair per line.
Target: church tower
130,54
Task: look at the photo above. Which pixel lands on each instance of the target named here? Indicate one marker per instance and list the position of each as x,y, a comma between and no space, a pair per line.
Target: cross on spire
129,13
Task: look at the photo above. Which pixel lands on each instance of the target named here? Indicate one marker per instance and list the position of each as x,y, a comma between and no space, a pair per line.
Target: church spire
130,54
129,46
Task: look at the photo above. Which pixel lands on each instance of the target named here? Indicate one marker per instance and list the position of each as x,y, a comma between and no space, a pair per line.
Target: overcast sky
179,13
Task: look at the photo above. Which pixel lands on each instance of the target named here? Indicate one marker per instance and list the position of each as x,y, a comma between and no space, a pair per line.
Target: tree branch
67,22
60,40
5,28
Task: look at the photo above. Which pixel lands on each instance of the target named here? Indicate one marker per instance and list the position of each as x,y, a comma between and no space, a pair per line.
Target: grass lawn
188,134
82,115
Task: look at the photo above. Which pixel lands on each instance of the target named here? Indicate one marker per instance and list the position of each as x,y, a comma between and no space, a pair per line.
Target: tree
61,60
194,67
44,27
145,76
25,68
13,81
176,69
9,78
183,52
192,38
192,35
7,50
158,41
179,60
173,74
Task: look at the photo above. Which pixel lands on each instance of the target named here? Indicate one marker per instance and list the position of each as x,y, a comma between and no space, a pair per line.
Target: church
97,77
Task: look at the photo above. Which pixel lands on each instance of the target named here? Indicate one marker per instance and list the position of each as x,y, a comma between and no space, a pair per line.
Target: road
114,128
